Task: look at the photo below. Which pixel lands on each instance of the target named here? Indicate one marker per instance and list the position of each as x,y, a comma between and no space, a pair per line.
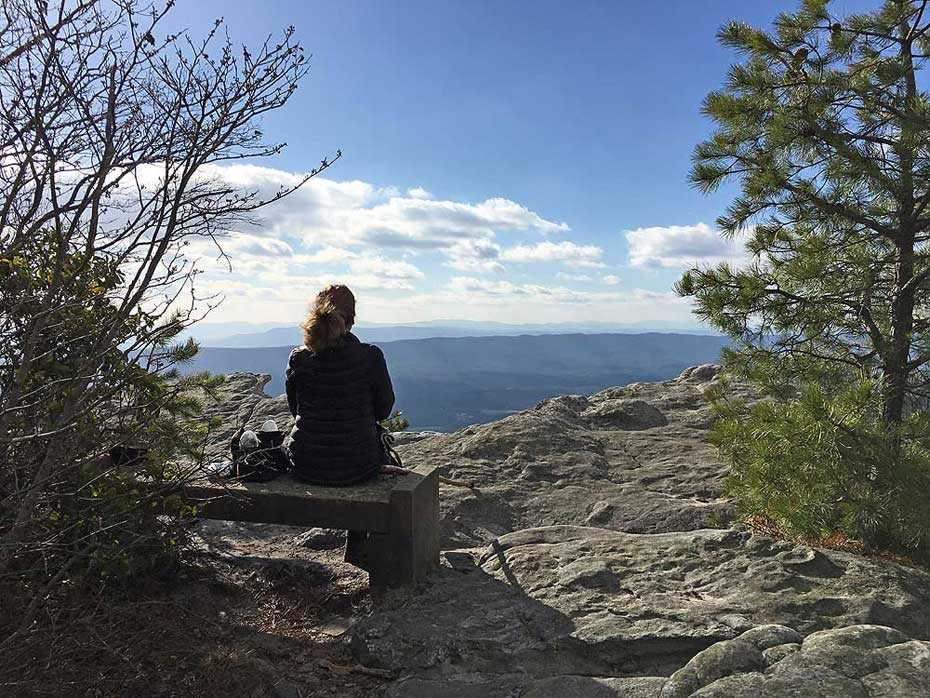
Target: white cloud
385,268
389,244
301,273
567,252
240,245
353,231
426,224
682,246
469,285
299,288
475,256
419,193
327,255
652,296
392,300
485,255
562,276
365,281
355,213
611,280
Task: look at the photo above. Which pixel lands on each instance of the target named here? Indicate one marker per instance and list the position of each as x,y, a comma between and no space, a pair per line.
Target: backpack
272,444
260,459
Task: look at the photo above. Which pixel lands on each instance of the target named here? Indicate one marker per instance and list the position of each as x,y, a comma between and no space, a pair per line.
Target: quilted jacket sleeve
381,388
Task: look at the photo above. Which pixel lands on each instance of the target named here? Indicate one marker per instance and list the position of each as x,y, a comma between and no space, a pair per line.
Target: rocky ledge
592,556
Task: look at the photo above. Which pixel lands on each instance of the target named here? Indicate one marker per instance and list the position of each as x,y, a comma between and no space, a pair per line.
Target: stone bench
400,512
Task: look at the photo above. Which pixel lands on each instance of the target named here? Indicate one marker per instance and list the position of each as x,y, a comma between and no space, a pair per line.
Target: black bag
261,464
275,454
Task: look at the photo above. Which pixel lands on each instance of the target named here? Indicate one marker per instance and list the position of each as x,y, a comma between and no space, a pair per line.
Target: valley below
446,383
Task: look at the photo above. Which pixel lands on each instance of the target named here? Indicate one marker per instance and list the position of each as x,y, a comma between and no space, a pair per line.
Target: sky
502,160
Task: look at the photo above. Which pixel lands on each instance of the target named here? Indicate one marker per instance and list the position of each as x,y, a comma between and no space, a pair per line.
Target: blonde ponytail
332,317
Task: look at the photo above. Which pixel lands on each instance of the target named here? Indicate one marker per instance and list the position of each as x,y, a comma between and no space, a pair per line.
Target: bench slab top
377,490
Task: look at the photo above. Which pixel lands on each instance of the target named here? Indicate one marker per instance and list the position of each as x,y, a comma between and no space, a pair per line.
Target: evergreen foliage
396,422
826,129
810,466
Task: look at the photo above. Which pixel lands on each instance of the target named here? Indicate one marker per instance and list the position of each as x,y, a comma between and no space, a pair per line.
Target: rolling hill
241,334
445,383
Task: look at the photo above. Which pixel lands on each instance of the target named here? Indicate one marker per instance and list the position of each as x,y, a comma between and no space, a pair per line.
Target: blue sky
502,160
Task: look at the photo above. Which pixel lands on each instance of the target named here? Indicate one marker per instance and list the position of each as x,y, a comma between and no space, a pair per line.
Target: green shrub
67,515
822,464
396,422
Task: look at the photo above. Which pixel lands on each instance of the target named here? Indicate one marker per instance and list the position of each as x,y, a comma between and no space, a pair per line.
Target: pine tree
826,129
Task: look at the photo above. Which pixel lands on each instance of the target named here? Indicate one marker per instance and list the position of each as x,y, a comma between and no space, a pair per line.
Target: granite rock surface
595,555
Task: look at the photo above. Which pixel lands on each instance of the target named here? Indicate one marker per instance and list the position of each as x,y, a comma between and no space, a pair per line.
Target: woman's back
337,396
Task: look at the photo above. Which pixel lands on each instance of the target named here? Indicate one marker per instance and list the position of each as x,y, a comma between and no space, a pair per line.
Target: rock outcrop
595,556
628,459
859,661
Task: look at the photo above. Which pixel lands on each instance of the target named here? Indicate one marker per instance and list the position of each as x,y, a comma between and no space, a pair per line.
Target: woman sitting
338,389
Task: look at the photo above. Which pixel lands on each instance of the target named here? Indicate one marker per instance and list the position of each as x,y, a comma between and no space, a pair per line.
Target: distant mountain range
445,383
242,334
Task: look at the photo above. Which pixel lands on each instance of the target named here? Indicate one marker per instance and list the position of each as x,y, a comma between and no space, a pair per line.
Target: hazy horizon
279,334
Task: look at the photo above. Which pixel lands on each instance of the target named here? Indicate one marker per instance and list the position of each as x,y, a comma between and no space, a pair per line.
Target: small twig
457,483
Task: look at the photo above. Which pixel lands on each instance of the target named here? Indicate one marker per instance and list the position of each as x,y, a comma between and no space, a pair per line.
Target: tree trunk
896,369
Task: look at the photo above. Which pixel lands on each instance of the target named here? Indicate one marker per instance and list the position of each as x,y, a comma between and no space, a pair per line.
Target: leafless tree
113,134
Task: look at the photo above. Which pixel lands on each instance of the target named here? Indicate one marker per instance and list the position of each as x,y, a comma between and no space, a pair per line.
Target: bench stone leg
411,549
358,549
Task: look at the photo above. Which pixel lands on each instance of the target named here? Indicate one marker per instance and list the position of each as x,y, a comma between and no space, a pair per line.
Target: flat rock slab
583,565
569,600
631,459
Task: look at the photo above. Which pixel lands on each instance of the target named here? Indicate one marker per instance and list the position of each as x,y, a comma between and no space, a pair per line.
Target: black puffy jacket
337,397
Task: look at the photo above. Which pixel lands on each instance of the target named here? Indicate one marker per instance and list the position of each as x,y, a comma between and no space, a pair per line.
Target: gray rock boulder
626,415
743,654
701,374
321,538
859,661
